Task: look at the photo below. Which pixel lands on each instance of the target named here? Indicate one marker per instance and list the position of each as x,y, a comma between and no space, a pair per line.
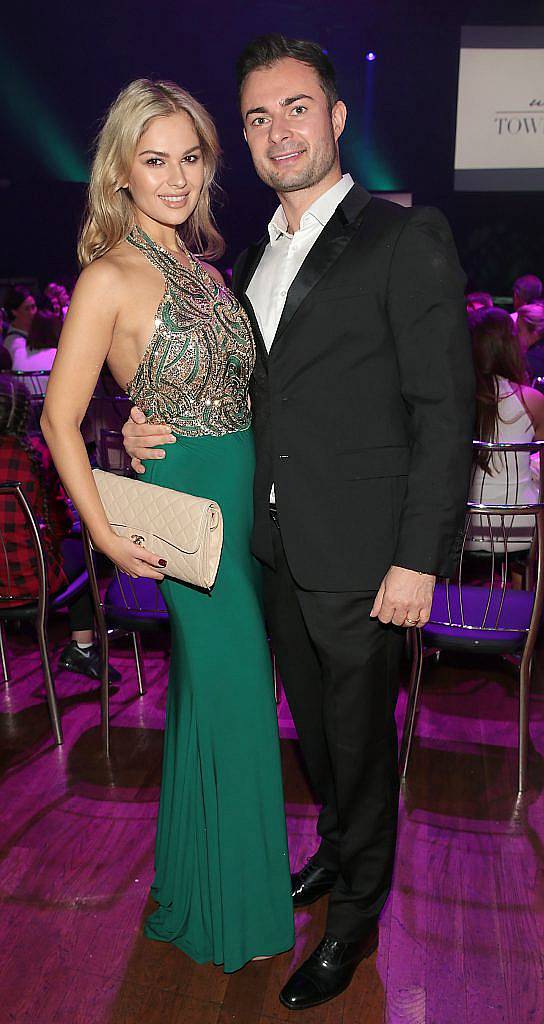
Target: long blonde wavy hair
110,212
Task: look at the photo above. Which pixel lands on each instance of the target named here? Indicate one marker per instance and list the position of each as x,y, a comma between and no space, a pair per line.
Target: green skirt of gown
221,866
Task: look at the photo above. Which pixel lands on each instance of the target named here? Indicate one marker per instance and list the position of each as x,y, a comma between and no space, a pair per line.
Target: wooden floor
461,938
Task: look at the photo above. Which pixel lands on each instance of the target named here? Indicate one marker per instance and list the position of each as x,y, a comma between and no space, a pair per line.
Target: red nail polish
163,562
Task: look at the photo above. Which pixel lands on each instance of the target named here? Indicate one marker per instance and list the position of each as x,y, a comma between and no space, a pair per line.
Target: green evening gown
222,879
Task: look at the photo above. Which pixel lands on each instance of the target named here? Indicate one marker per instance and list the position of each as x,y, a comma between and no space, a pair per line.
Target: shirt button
283,294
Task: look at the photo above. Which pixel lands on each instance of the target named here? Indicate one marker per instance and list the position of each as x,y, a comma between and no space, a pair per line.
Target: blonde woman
180,344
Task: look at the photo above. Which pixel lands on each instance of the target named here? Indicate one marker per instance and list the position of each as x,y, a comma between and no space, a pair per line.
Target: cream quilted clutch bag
184,530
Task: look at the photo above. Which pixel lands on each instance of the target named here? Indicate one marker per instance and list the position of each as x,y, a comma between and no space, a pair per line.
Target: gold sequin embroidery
195,371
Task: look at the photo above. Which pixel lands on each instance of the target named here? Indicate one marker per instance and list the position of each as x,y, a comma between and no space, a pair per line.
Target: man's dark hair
264,51
528,289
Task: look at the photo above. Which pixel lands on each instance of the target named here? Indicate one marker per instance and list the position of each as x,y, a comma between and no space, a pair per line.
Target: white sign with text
500,117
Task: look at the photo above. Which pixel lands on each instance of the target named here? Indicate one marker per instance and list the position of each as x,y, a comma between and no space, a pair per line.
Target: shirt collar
320,211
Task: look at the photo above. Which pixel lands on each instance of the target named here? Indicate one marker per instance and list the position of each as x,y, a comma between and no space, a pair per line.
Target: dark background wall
62,64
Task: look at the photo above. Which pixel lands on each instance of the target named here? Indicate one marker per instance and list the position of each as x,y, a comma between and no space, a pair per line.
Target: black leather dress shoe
328,971
310,883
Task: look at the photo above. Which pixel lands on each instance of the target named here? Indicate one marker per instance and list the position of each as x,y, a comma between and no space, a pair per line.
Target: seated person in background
58,300
48,322
43,338
526,290
27,460
530,325
21,308
35,348
478,300
506,410
40,352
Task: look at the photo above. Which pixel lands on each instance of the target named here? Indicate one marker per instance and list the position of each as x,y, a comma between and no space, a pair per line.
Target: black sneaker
86,663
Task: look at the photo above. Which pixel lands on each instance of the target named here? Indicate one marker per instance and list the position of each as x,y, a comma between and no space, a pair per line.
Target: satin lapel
243,278
259,340
251,262
330,245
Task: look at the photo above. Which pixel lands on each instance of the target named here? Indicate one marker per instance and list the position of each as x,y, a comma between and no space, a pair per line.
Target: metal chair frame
503,512
100,612
14,489
31,378
35,382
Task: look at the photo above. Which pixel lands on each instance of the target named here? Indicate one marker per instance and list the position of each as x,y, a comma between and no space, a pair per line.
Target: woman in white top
31,339
21,308
507,411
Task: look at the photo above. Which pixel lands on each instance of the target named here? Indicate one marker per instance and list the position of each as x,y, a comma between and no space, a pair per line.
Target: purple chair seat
512,625
134,604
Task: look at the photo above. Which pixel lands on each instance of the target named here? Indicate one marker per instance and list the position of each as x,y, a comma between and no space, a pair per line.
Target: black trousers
340,671
80,612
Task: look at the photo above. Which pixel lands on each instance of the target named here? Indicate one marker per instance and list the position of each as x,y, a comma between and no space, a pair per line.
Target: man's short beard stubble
314,172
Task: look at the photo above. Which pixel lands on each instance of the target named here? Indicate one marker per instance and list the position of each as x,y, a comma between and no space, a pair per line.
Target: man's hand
140,438
404,598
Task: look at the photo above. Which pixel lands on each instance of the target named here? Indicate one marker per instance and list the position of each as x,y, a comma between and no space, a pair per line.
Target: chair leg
523,742
413,694
49,684
139,659
4,654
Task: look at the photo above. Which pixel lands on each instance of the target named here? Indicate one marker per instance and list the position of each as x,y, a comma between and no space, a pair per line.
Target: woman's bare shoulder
532,396
108,276
534,402
111,268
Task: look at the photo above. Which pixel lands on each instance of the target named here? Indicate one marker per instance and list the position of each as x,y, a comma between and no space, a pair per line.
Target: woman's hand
132,559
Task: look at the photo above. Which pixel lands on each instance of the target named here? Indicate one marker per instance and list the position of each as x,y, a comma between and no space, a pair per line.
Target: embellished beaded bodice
195,371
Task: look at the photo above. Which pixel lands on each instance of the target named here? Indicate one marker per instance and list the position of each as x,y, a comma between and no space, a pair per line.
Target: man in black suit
363,411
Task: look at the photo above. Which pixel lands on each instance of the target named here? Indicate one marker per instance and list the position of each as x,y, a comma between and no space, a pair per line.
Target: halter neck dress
222,880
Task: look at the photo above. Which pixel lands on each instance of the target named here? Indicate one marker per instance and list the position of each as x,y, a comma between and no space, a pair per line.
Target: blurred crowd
527,318
31,326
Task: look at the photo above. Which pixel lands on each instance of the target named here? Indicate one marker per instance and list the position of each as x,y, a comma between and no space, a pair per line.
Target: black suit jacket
363,410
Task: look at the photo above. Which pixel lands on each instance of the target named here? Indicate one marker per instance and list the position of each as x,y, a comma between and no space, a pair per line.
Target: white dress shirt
285,254
283,258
